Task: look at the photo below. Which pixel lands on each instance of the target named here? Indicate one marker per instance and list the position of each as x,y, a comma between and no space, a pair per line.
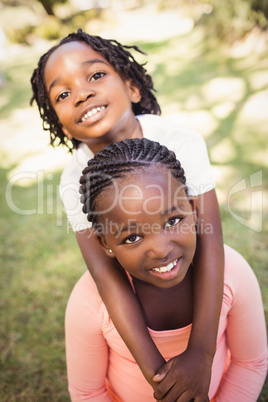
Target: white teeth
167,268
92,112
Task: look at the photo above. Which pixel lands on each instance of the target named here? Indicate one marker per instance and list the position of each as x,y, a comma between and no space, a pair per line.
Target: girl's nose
160,248
82,95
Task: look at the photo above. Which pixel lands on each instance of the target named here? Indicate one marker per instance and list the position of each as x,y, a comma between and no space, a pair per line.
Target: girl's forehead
77,50
155,193
152,178
152,182
69,57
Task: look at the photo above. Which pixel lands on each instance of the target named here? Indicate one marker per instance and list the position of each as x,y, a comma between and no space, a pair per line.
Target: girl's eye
132,239
97,76
172,222
62,96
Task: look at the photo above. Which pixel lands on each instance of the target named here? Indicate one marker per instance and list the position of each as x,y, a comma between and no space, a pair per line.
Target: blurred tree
260,5
49,4
227,19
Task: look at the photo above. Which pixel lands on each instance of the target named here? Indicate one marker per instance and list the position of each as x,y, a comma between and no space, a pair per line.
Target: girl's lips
167,267
92,114
169,274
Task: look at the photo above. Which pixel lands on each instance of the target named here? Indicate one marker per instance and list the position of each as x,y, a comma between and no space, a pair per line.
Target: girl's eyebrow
178,208
94,61
84,63
134,225
169,210
127,228
53,84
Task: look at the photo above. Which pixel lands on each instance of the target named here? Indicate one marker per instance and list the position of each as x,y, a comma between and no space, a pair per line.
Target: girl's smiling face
92,101
149,226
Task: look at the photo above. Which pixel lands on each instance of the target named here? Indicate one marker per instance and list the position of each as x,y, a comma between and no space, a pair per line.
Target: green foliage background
40,261
227,19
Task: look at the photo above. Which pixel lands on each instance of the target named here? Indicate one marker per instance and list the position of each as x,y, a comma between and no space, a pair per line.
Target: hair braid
116,160
122,61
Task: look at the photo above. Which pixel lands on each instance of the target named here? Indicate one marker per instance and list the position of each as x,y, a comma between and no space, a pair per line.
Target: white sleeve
70,197
69,189
193,155
189,147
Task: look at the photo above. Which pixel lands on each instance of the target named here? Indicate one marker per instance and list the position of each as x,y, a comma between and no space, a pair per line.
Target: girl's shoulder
77,163
239,277
85,302
159,128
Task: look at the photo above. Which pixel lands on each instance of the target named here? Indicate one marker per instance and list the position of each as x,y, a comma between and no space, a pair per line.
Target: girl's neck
166,309
133,130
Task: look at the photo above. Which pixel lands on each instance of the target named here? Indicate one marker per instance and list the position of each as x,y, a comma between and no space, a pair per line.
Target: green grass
40,261
40,264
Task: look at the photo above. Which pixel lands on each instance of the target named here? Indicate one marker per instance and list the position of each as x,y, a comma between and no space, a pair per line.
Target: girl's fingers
162,372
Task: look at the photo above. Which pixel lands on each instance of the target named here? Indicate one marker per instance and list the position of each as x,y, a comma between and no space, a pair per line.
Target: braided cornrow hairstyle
116,161
122,61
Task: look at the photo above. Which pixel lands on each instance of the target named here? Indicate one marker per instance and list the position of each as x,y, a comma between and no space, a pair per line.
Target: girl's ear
134,91
104,245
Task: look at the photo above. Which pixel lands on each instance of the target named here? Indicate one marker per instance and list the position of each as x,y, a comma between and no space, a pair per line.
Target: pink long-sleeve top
98,361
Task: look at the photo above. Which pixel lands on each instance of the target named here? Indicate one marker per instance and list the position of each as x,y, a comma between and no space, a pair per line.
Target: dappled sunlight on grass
224,151
223,109
218,90
216,94
258,80
260,155
252,44
255,110
162,25
200,120
223,89
35,286
223,176
26,146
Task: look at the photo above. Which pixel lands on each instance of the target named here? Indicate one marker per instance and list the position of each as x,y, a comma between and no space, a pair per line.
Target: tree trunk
47,6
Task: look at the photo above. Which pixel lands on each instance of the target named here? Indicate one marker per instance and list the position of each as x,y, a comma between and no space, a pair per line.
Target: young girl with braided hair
135,195
91,92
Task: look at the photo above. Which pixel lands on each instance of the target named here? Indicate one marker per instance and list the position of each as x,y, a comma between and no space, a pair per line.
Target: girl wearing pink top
135,195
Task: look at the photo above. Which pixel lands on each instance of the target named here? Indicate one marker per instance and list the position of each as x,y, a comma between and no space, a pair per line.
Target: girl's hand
184,378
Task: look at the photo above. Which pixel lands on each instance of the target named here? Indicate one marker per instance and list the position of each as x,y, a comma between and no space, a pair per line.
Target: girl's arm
190,372
121,303
208,281
208,275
